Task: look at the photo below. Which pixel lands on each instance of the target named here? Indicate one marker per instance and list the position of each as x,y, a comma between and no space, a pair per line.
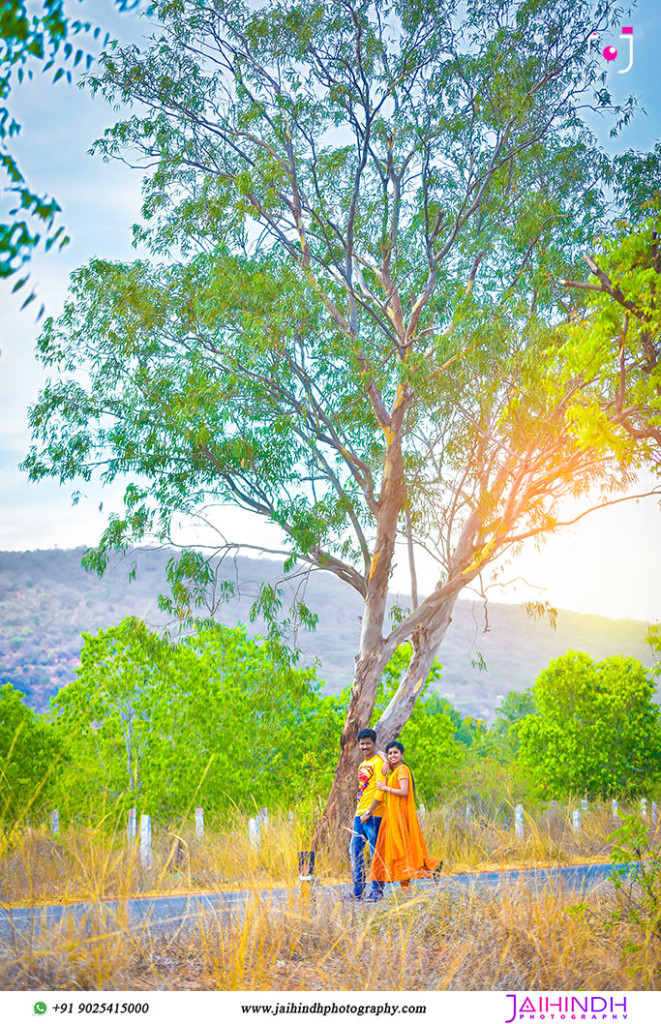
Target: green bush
595,729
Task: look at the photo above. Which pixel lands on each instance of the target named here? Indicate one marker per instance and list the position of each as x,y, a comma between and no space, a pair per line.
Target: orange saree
400,852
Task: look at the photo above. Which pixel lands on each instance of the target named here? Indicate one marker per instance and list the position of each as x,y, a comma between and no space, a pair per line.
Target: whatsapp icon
40,1008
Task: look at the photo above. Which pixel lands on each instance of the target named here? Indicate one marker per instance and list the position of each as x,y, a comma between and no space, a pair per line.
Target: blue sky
614,556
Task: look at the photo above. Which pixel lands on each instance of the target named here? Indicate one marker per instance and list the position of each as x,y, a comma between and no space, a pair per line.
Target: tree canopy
502,740
359,215
24,38
615,335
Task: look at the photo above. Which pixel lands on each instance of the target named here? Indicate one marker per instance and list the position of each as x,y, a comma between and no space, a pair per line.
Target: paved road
169,914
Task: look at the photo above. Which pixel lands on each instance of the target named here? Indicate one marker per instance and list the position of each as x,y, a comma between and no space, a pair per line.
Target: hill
47,600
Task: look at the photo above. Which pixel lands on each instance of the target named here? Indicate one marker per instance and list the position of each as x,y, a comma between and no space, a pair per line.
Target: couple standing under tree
386,821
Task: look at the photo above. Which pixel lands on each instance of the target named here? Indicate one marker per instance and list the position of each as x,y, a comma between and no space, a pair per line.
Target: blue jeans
363,832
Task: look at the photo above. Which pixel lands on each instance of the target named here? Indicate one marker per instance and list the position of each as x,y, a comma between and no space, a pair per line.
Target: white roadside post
655,812
132,827
55,823
584,804
576,820
253,833
199,822
616,816
518,821
145,841
643,808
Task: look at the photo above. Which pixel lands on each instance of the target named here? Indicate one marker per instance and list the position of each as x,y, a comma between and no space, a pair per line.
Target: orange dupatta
400,852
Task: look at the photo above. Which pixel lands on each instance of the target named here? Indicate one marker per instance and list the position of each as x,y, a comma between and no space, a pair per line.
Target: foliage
471,731
25,38
595,728
28,753
638,884
502,739
217,718
493,787
614,336
434,704
434,754
468,728
653,639
33,35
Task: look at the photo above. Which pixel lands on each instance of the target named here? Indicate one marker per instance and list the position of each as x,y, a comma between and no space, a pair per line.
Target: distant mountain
47,600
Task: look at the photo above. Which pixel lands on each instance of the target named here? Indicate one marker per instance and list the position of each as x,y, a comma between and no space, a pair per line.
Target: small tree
217,718
595,729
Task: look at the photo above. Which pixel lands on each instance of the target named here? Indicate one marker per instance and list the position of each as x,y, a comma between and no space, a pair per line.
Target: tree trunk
333,830
433,619
425,641
339,812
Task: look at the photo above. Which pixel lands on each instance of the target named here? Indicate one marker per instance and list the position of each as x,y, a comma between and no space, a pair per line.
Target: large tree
361,212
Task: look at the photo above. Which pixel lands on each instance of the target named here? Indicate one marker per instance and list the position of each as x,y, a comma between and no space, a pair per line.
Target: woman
400,853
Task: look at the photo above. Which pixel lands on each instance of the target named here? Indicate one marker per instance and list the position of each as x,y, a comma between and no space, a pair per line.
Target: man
369,810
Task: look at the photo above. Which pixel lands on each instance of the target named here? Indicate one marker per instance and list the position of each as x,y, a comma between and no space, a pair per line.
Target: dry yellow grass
480,844
443,938
96,863
439,940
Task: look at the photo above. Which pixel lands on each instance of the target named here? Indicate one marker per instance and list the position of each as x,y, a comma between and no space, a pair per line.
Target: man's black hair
367,734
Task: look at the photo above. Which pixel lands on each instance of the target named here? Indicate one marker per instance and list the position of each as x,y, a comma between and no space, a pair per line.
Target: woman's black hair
400,747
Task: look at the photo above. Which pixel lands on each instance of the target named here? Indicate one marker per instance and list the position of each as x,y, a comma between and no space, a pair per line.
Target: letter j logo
609,53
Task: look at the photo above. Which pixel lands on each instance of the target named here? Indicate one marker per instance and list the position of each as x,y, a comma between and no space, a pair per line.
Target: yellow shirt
369,773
